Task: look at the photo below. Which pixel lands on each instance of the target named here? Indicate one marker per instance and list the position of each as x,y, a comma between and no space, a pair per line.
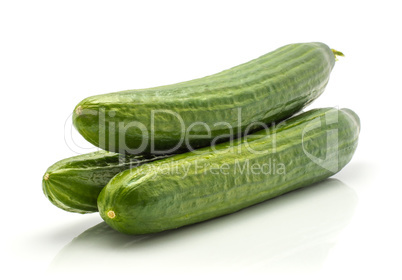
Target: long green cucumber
73,184
218,180
205,111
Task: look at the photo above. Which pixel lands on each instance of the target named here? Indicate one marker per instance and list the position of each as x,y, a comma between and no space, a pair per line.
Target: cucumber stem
337,53
46,177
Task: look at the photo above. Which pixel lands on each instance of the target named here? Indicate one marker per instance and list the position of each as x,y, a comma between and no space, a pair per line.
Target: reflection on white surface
291,233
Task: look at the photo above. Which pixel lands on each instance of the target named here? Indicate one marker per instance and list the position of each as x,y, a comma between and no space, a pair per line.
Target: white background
56,53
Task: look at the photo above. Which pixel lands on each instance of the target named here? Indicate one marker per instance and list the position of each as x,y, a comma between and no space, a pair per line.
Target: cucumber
214,181
73,184
202,112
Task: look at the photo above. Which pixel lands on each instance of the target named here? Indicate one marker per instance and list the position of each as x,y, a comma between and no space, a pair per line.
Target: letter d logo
330,162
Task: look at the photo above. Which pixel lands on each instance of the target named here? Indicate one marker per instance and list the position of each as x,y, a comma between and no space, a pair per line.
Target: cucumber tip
78,110
111,214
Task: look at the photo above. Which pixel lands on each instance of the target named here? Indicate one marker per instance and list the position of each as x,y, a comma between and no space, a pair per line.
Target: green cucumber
73,184
214,181
205,111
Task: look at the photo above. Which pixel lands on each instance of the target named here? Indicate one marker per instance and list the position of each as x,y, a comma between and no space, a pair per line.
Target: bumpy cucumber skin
267,89
73,184
154,198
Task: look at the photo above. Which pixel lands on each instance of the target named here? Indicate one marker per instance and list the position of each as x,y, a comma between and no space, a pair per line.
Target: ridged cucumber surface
73,184
218,180
191,114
